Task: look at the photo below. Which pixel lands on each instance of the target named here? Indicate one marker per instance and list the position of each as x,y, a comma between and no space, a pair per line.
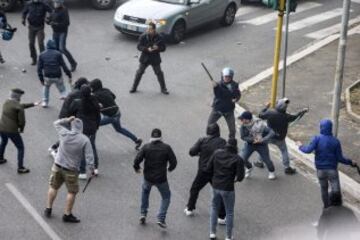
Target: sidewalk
310,83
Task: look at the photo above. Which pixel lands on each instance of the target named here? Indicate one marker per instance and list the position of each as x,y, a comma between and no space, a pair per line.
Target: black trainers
138,143
162,224
47,212
33,62
142,219
290,171
133,90
23,170
2,161
73,67
165,91
259,164
70,218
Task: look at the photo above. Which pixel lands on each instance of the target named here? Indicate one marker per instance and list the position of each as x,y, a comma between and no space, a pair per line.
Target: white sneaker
248,172
188,212
221,221
53,154
96,171
272,175
82,176
212,236
229,238
44,104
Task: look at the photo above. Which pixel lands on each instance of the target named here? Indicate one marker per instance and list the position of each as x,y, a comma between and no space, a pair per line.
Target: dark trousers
36,32
325,177
96,158
115,122
229,118
200,181
262,150
19,144
157,70
60,40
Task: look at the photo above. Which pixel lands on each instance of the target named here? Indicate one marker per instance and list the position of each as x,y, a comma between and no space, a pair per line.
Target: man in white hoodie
74,146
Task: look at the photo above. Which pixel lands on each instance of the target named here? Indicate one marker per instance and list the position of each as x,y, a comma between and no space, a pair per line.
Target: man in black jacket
35,12
3,24
226,94
49,65
150,44
226,167
278,120
158,156
204,148
59,21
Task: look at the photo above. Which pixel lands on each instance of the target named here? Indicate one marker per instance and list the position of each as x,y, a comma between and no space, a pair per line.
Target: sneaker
23,170
53,154
138,143
221,221
73,67
2,161
70,218
162,224
272,175
227,238
142,219
290,171
2,61
188,212
44,104
33,62
47,212
82,176
165,91
259,164
212,236
96,171
133,90
248,172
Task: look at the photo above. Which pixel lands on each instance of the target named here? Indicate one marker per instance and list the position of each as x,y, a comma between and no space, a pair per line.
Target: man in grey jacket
74,146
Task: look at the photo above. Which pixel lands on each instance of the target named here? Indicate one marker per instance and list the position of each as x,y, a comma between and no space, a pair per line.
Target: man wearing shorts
74,146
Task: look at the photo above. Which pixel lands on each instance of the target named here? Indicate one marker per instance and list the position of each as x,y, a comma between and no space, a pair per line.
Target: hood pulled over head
96,84
326,127
77,125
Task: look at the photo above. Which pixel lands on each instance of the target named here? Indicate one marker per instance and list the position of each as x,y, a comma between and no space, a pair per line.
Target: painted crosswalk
356,1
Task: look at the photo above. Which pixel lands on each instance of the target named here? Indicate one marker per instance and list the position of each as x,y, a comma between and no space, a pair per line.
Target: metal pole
277,53
287,19
339,74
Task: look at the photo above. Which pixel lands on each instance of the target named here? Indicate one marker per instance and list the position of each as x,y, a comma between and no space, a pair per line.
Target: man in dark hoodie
110,111
49,71
204,148
227,167
3,24
159,158
328,154
278,120
226,94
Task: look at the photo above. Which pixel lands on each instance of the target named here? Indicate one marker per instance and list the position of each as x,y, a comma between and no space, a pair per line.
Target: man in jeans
159,158
226,94
49,71
110,111
328,154
35,12
226,167
74,146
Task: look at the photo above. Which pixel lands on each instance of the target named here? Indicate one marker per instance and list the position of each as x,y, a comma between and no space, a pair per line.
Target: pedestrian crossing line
356,1
273,16
331,30
321,17
245,10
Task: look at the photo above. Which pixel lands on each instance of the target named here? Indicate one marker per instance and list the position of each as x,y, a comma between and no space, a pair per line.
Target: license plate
131,28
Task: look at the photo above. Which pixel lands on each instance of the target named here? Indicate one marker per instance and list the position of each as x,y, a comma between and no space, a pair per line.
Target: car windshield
182,2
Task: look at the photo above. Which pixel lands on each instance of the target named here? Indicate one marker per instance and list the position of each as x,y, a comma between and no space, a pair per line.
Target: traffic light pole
339,74
277,53
287,19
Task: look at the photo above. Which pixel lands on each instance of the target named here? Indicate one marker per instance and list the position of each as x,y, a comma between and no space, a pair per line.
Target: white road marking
331,30
245,10
356,1
52,234
273,16
315,19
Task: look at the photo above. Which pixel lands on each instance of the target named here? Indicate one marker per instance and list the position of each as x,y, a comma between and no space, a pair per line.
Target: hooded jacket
258,129
36,13
328,152
278,119
13,116
105,97
60,20
206,146
51,62
3,20
146,41
224,95
226,167
74,146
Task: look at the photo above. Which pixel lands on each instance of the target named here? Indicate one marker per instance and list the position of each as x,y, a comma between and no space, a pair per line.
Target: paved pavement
109,208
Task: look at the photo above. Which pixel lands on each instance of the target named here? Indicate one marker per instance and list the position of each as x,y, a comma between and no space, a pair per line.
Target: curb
349,110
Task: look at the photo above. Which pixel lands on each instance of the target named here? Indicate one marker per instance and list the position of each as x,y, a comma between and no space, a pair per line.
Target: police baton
207,71
88,182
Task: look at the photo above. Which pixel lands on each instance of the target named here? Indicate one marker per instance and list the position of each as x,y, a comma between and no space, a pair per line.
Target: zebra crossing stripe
245,10
273,16
356,1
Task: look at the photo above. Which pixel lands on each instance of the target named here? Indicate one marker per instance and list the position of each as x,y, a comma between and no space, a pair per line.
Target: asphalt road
281,209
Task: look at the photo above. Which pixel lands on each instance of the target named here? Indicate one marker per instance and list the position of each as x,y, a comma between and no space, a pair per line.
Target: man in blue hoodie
328,154
49,65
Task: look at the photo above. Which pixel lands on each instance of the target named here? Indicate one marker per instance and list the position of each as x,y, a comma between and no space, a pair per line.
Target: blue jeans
281,144
325,177
165,198
19,144
59,83
228,197
262,150
60,40
92,139
115,122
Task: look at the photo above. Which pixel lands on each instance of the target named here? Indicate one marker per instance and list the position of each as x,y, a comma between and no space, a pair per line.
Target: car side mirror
192,2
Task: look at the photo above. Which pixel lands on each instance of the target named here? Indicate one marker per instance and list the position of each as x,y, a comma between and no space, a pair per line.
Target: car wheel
103,4
7,5
229,15
178,32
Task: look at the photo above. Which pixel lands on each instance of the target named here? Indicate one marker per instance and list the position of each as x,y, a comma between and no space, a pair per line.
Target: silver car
173,17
